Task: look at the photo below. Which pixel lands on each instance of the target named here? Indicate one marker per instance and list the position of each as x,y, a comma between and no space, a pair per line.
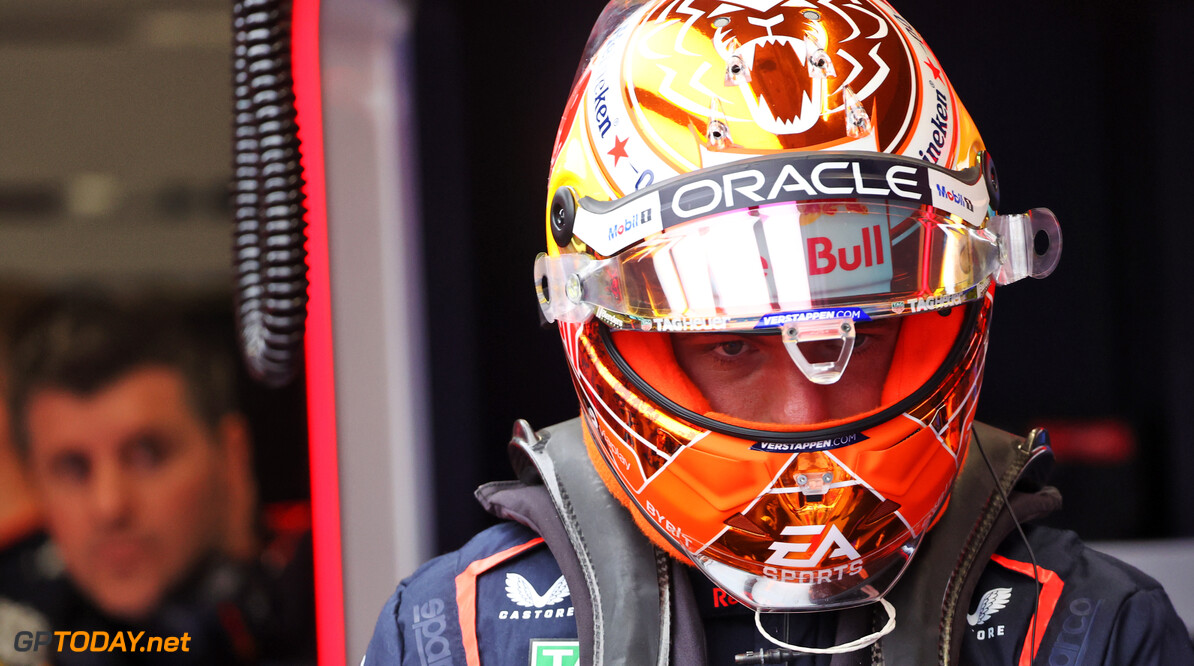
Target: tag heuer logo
520,591
546,652
991,603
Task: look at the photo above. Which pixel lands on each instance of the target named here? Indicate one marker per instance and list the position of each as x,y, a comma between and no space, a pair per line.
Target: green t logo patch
554,652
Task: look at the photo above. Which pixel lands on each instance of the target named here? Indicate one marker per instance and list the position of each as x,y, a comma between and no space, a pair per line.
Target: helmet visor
760,267
763,245
761,380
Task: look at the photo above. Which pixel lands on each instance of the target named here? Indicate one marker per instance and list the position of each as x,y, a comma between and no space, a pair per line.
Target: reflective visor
754,381
778,239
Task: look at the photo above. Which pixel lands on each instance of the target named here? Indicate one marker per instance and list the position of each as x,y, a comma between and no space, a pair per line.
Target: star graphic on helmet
936,70
619,149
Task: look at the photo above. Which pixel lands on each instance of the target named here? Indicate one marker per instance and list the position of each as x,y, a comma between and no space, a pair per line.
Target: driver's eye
732,347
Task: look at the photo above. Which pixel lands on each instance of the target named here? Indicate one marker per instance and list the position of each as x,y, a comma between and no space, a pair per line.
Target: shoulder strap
975,522
599,549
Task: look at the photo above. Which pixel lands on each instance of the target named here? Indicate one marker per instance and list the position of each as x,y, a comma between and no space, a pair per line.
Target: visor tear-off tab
1018,244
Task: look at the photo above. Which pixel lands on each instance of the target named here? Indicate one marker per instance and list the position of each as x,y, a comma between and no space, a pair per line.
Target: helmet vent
744,524
718,134
737,72
858,123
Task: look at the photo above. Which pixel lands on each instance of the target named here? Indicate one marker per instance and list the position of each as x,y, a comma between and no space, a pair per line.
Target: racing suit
568,579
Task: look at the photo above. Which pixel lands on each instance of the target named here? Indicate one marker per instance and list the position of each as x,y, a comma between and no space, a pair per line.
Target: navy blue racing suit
505,599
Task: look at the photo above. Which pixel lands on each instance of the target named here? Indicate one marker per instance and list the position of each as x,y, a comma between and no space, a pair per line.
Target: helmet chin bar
795,589
828,372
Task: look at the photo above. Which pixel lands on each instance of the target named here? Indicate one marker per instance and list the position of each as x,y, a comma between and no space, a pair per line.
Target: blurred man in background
140,463
18,510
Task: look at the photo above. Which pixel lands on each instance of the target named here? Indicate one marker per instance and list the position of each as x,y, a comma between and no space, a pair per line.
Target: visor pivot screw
990,178
573,288
563,215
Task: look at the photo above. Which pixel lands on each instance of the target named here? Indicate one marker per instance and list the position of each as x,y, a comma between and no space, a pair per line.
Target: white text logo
833,538
521,592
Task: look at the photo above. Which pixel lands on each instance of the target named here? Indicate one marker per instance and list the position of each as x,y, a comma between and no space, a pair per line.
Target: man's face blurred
133,485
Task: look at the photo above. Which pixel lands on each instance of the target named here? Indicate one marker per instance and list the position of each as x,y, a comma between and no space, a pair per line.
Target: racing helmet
772,252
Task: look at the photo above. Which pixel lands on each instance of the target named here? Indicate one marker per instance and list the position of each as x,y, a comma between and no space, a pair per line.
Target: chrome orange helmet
772,252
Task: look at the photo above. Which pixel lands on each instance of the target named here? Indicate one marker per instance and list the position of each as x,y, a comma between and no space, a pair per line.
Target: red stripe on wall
321,388
466,596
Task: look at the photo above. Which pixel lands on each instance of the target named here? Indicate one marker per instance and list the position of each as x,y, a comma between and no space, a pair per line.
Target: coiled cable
269,232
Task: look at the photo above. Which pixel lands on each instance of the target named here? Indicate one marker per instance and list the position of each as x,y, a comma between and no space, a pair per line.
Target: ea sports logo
832,544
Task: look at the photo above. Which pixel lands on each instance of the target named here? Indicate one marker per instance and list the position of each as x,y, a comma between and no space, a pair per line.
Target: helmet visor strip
764,241
764,266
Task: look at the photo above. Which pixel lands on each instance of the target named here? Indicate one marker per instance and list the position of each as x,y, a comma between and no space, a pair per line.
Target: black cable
1031,555
268,212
